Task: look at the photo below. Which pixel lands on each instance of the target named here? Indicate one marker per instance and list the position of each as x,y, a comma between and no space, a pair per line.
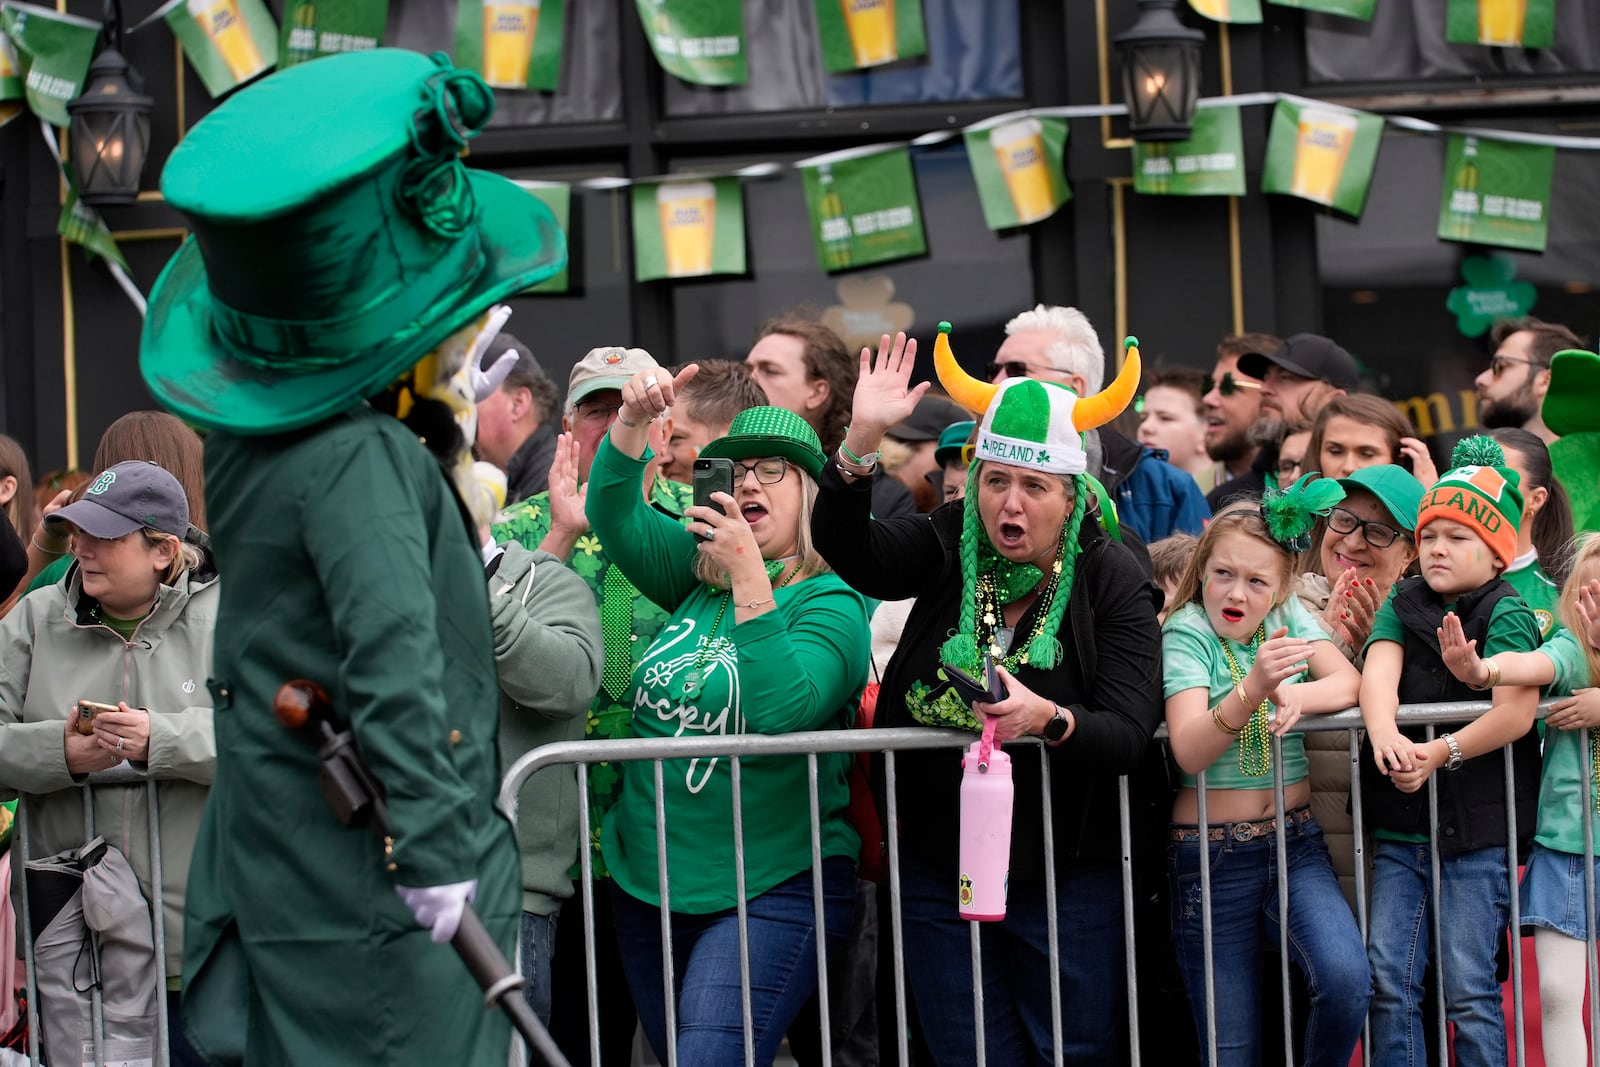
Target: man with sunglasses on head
1298,378
1232,403
1511,391
1058,344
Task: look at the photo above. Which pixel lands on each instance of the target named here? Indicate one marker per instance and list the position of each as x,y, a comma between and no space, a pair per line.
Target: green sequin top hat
337,239
1570,410
769,431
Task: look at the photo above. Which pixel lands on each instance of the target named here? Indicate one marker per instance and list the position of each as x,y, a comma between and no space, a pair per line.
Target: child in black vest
1467,535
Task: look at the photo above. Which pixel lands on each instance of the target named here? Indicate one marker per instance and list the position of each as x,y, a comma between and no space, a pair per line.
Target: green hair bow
1291,513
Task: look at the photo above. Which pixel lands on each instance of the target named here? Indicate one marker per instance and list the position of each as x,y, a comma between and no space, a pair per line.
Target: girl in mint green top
763,640
1242,661
1552,891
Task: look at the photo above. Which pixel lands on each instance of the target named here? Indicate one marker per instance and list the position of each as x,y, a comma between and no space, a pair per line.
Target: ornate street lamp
1160,72
110,124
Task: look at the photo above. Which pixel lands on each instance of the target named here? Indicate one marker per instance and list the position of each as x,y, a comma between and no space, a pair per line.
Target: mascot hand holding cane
339,280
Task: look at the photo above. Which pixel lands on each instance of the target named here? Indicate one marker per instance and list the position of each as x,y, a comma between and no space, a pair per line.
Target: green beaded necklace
1255,746
992,598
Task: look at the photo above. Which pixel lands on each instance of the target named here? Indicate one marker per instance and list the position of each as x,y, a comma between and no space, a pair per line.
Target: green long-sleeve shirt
800,666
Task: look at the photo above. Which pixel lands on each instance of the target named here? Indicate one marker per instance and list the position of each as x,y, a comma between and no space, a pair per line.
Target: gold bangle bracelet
1223,724
1248,707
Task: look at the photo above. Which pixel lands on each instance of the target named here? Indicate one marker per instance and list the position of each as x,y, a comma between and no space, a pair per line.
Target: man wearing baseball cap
1297,380
920,435
554,521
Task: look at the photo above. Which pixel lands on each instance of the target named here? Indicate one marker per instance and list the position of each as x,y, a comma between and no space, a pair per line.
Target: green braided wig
1044,651
1291,513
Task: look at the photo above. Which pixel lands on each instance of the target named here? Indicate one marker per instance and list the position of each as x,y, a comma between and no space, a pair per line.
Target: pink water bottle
986,799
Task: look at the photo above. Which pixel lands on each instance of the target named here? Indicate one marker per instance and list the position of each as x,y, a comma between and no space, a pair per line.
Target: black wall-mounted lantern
110,135
1160,72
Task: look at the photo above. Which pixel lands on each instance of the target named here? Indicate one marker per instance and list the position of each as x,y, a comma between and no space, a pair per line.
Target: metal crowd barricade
21,854
890,741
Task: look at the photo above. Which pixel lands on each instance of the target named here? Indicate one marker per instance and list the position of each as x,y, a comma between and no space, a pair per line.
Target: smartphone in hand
712,476
87,710
989,689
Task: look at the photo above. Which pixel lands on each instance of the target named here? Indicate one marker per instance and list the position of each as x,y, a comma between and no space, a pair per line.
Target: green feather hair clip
1291,513
1477,451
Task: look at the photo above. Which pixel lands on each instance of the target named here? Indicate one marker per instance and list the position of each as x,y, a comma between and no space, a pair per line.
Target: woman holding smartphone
763,639
126,636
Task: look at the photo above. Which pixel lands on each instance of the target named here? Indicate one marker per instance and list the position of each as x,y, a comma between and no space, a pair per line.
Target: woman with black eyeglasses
1358,552
764,639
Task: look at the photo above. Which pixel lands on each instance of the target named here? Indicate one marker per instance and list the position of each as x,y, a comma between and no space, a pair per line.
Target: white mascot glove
438,908
485,382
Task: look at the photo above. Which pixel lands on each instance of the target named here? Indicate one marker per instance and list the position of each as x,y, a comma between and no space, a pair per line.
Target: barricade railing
810,745
159,1052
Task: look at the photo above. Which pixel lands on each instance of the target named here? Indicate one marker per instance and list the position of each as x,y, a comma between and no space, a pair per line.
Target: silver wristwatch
1456,760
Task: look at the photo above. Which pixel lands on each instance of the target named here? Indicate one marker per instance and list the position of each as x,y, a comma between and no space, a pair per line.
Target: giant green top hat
337,239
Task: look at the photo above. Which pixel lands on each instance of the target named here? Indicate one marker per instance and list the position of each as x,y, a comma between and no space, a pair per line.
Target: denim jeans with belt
1475,899
1017,1025
705,965
1324,941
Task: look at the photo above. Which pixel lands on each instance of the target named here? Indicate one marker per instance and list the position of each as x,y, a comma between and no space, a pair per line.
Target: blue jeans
1017,1027
1475,895
705,965
538,947
1324,943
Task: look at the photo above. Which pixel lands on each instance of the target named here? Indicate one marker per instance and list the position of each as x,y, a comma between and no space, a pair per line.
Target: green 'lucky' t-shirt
1512,628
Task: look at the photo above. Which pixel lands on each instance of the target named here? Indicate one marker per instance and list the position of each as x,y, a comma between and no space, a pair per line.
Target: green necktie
616,627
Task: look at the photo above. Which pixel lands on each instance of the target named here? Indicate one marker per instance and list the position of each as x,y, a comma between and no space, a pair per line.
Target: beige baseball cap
606,368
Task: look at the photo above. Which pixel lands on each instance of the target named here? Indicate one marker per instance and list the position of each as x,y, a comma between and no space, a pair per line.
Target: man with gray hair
1058,344
517,422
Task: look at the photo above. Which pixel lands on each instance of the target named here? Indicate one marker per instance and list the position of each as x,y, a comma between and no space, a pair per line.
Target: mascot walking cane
341,272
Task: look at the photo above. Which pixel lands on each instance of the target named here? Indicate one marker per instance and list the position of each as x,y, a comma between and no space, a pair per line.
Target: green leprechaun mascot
341,253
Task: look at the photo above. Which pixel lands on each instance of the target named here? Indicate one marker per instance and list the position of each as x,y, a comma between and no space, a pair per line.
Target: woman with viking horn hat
1021,570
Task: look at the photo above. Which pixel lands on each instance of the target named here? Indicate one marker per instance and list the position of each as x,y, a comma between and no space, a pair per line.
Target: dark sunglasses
1500,364
1375,533
1229,385
1018,368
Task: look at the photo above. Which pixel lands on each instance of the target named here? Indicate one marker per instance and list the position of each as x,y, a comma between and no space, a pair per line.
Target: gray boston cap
128,497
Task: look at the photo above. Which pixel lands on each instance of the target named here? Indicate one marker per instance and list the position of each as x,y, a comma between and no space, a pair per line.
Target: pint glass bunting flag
1501,23
1322,153
12,94
700,41
228,42
1244,12
1016,164
1496,192
52,54
864,207
857,34
313,28
557,196
514,44
1209,163
1355,9
688,229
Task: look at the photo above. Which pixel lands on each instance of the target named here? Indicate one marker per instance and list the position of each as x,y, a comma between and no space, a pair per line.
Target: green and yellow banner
1502,23
1243,12
1017,165
52,57
514,44
857,34
1355,9
1209,163
1322,153
314,28
864,206
228,42
82,225
700,41
1496,192
688,228
557,196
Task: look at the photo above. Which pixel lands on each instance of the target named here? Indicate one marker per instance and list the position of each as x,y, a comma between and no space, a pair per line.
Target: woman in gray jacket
129,628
